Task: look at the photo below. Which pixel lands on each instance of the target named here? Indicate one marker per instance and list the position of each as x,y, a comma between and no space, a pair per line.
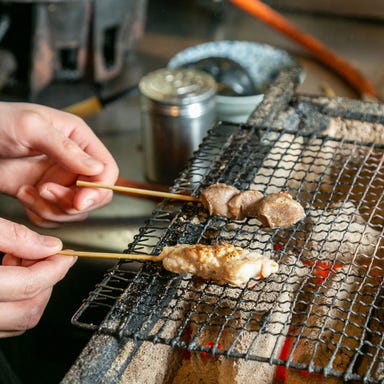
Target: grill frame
123,313
145,295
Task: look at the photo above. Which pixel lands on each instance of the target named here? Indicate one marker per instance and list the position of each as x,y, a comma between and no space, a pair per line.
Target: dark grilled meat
273,210
215,198
244,204
279,210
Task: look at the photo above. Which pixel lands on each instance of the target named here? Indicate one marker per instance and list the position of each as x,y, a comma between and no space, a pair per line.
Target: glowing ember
210,344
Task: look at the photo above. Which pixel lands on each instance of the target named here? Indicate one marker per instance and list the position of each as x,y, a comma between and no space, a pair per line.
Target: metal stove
69,41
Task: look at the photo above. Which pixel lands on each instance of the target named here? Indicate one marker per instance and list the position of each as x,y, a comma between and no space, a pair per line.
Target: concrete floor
172,26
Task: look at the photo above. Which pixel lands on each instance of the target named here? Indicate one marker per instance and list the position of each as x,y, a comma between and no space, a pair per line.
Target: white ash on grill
359,177
339,251
157,363
297,165
319,301
323,171
151,364
341,234
336,323
278,164
328,321
335,242
355,165
240,321
356,130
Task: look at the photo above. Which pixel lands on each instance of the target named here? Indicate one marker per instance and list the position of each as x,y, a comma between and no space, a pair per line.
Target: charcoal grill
322,314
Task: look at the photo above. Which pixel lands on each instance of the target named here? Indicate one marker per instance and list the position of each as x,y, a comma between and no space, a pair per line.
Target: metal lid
178,86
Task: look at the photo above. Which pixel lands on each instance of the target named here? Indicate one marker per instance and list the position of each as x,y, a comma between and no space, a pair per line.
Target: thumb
20,241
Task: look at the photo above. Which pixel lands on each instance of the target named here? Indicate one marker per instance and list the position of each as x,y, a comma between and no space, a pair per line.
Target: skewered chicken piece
216,197
244,204
222,263
279,210
274,210
224,200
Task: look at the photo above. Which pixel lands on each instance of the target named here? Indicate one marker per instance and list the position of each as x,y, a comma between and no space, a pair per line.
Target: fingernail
91,162
74,260
47,194
26,196
87,203
51,242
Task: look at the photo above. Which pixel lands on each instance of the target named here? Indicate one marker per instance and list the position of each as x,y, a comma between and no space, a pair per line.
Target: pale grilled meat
223,263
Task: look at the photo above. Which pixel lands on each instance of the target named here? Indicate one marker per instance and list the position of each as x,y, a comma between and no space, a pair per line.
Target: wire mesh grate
323,310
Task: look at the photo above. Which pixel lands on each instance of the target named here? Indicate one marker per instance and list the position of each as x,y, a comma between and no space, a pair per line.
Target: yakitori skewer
273,210
110,255
224,263
138,191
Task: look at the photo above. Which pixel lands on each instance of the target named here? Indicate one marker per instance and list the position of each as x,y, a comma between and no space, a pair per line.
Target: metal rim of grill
327,299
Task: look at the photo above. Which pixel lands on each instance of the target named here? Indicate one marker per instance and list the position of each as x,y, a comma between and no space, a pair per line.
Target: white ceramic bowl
263,63
236,109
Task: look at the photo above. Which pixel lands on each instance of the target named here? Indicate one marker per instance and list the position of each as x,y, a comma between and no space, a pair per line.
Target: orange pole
329,58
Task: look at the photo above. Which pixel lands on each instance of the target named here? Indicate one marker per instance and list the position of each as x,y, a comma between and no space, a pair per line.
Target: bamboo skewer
138,191
110,255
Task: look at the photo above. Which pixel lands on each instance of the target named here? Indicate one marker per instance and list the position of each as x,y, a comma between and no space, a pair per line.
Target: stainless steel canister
177,110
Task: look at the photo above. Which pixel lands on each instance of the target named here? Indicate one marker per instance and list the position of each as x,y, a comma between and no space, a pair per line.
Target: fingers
18,316
73,145
86,199
20,241
76,147
25,290
48,212
79,199
71,151
24,283
37,131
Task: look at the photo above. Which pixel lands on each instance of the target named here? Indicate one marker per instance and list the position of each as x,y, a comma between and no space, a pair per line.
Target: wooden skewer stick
109,255
138,191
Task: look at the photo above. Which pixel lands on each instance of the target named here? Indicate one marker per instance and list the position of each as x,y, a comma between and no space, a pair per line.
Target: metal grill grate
322,312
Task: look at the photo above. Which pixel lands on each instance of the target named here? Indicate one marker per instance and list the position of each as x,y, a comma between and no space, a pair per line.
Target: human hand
30,268
43,151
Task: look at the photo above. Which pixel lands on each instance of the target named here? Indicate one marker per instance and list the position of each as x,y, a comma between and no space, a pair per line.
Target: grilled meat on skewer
215,198
274,210
223,263
227,201
279,210
244,204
